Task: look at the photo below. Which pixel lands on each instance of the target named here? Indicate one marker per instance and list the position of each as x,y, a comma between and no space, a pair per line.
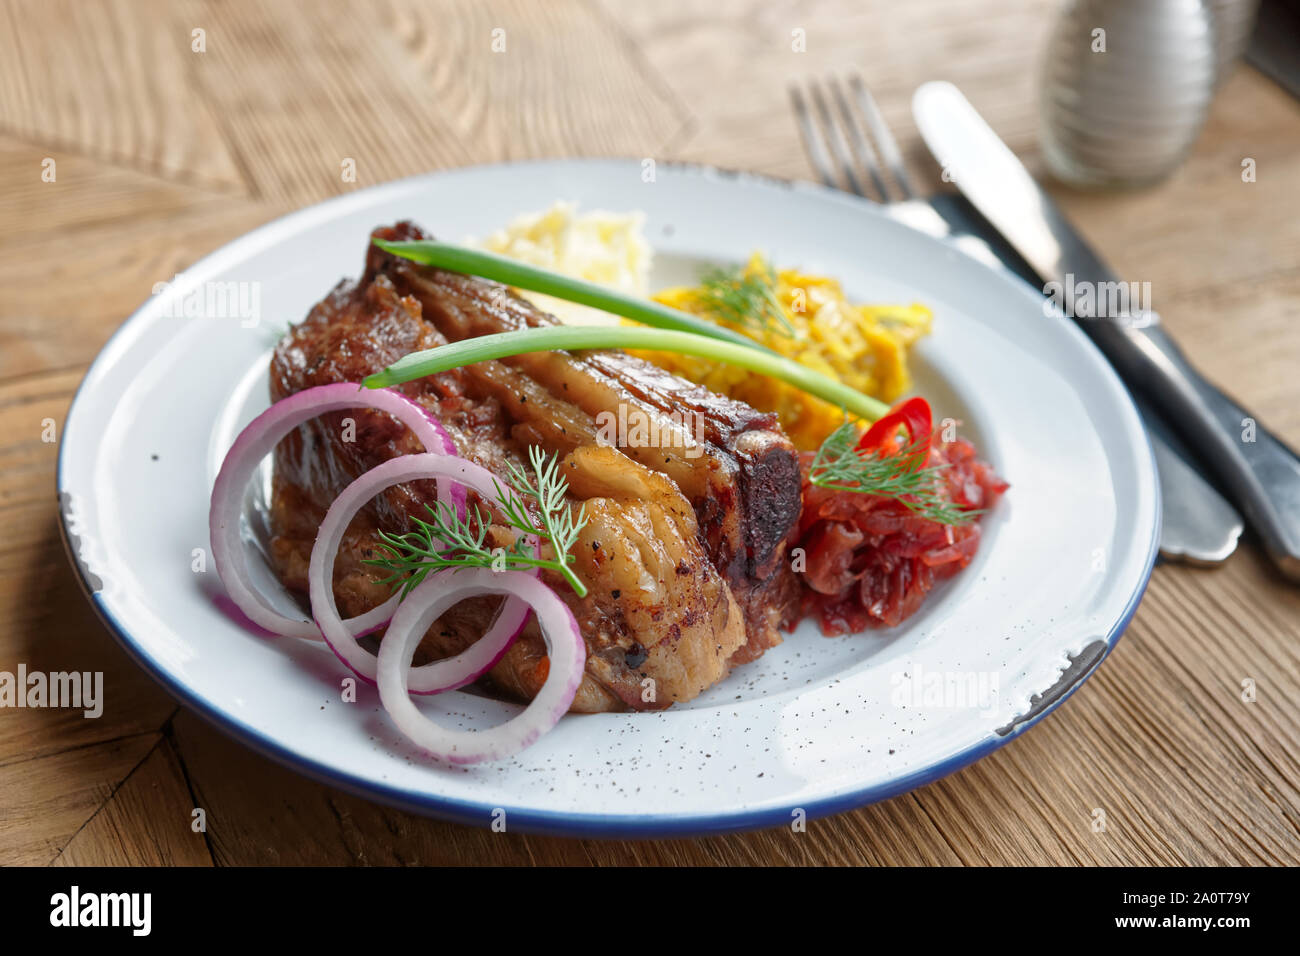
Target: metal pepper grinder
1126,87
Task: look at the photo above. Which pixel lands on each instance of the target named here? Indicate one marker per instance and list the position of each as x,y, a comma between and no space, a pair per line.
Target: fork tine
836,138
861,146
885,141
812,141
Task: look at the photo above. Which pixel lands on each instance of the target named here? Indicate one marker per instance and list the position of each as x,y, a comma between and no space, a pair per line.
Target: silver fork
854,137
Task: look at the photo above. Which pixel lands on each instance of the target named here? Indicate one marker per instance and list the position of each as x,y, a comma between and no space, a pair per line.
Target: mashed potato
602,247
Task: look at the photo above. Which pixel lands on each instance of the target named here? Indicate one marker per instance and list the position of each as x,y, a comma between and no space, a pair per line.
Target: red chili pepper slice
914,417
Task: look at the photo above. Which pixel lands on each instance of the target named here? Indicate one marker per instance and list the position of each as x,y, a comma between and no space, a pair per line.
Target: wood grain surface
163,154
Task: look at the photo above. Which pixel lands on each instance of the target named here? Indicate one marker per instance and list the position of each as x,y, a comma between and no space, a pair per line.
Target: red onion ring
439,675
566,653
257,441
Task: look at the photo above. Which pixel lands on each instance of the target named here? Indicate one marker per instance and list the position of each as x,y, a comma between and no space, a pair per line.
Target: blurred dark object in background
1275,45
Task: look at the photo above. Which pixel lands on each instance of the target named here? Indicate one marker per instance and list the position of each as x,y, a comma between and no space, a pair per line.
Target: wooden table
163,153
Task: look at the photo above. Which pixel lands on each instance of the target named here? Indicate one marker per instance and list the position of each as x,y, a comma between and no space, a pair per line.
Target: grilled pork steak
739,471
684,549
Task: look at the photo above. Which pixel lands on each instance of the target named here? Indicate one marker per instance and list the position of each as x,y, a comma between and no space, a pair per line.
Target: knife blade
1259,473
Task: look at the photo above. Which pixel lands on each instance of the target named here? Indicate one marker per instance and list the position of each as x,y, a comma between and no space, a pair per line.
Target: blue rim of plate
656,826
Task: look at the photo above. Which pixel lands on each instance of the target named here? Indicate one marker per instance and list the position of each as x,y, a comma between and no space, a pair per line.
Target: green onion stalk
574,338
521,275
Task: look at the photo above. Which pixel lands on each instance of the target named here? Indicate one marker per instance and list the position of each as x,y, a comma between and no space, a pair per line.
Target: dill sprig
840,465
547,486
447,540
743,297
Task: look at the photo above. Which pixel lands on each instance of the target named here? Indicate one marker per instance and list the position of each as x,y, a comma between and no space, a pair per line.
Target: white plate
816,726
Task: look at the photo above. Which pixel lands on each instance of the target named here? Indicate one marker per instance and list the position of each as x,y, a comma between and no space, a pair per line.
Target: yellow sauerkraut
864,346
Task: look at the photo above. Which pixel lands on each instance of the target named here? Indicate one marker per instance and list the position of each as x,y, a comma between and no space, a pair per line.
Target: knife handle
1256,469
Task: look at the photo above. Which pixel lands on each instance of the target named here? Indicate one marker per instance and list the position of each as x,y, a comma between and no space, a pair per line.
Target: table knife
1258,472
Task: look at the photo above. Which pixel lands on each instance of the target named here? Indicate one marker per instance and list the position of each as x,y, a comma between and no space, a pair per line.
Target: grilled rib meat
683,551
737,468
